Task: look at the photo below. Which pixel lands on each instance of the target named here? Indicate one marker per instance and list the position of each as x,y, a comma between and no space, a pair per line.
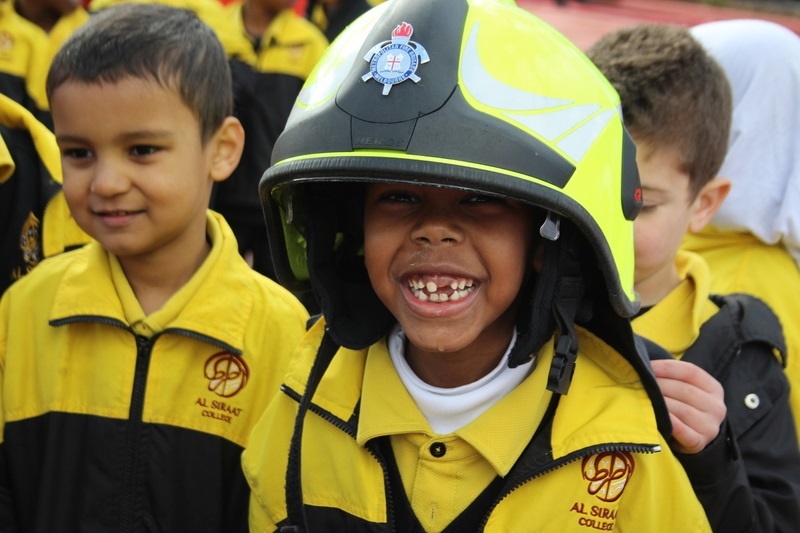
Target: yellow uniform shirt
674,323
441,481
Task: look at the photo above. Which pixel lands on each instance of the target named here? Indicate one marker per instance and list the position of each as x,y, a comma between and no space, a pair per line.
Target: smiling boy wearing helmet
456,185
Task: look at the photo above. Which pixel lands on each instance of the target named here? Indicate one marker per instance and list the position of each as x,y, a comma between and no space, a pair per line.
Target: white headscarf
762,62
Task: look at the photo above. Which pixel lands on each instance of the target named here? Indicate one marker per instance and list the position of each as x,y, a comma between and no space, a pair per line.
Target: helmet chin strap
553,303
565,306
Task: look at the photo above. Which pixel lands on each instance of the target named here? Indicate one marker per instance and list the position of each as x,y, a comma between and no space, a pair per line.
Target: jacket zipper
134,429
347,428
133,438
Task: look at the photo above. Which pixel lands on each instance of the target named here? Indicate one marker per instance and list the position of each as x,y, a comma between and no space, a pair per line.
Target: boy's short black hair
673,94
167,45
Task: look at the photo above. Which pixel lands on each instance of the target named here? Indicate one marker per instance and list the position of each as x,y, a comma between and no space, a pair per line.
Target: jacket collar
499,435
606,403
675,321
88,291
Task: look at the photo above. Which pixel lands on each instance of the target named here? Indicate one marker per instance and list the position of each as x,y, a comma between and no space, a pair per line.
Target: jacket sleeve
748,479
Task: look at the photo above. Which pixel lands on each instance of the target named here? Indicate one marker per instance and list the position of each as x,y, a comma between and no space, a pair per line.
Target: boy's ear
708,201
226,145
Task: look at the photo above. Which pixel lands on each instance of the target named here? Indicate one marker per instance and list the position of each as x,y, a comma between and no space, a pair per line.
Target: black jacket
748,478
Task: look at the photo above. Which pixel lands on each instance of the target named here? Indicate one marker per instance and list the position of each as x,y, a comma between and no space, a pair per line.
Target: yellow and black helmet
471,94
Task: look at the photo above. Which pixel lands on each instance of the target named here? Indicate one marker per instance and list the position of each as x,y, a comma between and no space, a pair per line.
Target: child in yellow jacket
456,184
133,369
726,388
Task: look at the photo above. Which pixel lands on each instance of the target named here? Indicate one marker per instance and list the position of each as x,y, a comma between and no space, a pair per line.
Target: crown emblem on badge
402,32
395,61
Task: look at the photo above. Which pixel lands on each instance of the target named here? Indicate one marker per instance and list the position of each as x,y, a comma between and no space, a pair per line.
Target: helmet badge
395,61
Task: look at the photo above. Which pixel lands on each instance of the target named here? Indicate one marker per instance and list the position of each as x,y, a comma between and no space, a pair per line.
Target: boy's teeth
430,291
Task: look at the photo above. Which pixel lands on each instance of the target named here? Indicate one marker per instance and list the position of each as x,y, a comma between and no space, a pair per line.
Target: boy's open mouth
430,291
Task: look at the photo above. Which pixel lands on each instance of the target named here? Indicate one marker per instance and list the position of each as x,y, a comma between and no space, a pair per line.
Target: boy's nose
108,179
435,228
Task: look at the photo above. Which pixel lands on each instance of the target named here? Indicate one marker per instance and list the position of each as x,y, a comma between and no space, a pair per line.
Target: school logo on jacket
227,374
607,474
395,61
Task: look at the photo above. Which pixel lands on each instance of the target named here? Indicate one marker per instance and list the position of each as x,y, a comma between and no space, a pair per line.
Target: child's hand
695,401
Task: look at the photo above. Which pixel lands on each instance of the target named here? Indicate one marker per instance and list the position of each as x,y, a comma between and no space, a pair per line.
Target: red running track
584,23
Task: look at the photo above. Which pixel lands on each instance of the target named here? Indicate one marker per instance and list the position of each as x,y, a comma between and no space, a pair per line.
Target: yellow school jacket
597,461
116,421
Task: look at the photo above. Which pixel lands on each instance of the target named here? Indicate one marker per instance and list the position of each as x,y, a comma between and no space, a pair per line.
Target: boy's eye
482,199
76,153
143,150
399,196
